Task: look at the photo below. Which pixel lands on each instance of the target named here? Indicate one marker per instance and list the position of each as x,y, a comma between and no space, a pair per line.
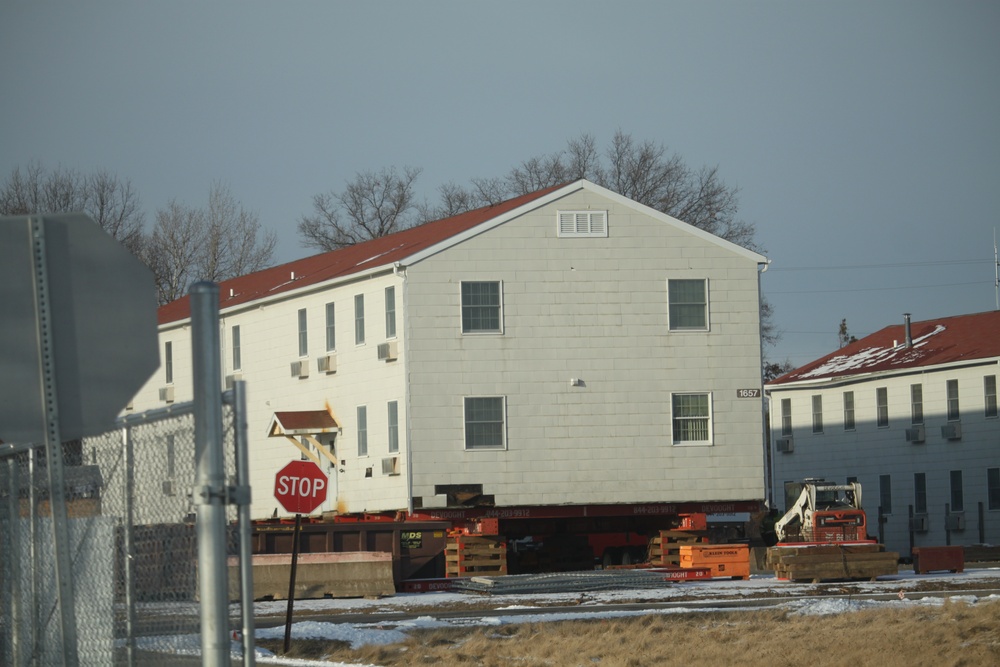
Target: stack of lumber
981,553
466,555
819,562
665,548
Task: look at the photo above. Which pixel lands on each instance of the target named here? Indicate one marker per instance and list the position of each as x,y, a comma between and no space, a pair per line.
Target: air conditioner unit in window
327,363
954,521
919,523
168,488
167,394
232,379
300,369
785,445
915,435
952,431
390,465
387,351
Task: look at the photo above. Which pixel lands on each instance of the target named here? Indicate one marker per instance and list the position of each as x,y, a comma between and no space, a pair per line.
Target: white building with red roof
568,346
910,412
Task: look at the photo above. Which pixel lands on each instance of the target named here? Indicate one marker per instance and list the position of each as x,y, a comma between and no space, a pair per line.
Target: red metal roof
346,261
942,341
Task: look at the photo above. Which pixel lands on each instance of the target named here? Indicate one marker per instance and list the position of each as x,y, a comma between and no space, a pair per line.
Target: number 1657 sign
748,393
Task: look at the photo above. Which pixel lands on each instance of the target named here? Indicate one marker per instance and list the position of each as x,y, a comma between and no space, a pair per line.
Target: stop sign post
300,487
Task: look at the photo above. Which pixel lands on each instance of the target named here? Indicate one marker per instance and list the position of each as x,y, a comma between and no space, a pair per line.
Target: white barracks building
568,346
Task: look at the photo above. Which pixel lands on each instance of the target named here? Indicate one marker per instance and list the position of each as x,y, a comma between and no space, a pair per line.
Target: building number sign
748,393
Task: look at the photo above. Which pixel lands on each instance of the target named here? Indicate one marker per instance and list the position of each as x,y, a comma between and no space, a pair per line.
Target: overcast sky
863,135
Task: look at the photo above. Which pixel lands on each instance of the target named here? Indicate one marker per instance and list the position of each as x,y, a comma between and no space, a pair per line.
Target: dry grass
955,634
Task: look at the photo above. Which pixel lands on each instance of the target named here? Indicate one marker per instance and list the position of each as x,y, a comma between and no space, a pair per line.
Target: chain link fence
131,505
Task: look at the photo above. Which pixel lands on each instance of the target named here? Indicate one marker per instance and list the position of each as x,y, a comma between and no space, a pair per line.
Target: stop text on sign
303,487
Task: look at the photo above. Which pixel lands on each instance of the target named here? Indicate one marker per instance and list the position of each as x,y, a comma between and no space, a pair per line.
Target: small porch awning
306,425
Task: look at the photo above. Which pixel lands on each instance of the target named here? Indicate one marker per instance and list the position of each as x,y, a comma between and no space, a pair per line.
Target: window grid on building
885,493
303,333
990,395
957,494
390,312
688,305
481,307
484,422
817,413
359,319
953,408
848,410
393,415
786,416
993,488
920,493
168,361
331,327
237,351
882,407
691,418
362,430
916,404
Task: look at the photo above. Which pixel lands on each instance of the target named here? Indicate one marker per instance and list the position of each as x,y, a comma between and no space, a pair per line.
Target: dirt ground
954,634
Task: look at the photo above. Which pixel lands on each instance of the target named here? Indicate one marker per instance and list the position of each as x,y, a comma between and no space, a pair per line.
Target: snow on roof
946,340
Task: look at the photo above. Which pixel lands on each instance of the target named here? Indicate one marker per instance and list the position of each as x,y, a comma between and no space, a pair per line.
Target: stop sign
300,487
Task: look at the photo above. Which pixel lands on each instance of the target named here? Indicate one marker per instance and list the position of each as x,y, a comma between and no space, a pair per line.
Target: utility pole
996,269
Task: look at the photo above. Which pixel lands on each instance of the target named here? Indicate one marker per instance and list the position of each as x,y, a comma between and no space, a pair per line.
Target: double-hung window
957,495
390,312
920,493
331,327
393,415
786,417
953,411
990,395
882,407
168,361
359,319
362,430
916,404
692,419
817,404
993,488
484,422
303,334
688,305
848,410
237,351
885,493
481,306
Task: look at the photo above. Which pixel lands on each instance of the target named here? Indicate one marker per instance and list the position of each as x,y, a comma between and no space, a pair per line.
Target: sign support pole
291,581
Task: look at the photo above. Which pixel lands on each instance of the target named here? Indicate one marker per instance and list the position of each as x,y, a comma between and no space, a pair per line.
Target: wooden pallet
818,563
466,555
665,548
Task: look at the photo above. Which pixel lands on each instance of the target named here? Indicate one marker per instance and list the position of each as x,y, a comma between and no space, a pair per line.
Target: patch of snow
872,356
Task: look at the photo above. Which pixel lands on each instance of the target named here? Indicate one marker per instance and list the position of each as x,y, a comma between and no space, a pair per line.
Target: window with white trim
688,304
990,394
885,493
390,312
359,319
848,410
485,422
331,327
237,350
168,361
362,430
303,333
481,307
957,494
582,223
919,493
786,416
953,410
817,404
916,404
393,415
993,488
691,415
882,407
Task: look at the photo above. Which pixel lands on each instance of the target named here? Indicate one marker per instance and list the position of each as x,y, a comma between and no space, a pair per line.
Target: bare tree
109,200
843,335
220,241
372,205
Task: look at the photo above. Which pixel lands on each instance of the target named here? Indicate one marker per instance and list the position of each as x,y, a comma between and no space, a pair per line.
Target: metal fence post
243,519
210,482
128,545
